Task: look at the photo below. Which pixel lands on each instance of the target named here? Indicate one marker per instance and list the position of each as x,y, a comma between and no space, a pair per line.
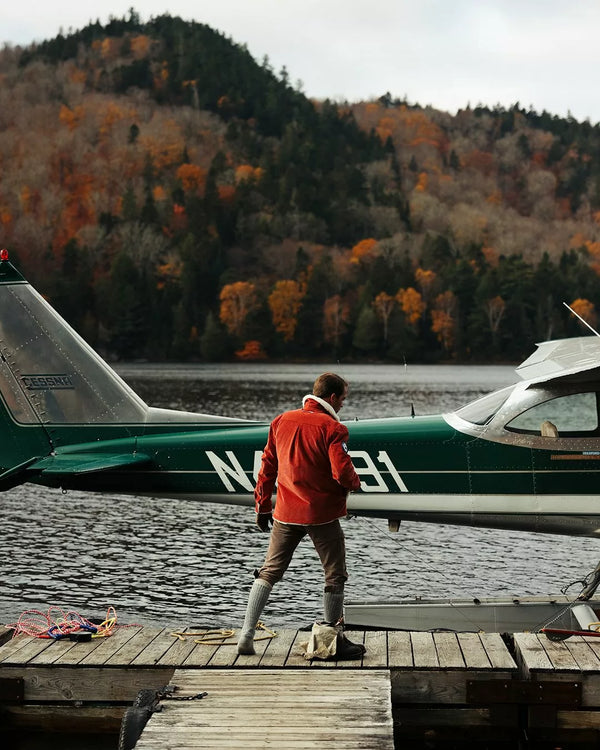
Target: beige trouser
328,541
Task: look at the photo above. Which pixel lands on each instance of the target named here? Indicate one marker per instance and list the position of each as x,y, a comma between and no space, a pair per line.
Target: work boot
259,594
346,650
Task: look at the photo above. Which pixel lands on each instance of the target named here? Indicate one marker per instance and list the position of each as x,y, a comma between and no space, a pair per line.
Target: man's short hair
329,383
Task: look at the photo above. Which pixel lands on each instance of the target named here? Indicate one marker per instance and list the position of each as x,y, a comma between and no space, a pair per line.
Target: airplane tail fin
50,378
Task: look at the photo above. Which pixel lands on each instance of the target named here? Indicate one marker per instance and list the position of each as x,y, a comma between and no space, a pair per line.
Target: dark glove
263,520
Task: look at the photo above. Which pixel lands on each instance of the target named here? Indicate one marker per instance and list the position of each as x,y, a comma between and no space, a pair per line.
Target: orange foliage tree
383,305
363,249
412,304
284,302
192,177
237,301
443,322
425,279
586,310
251,350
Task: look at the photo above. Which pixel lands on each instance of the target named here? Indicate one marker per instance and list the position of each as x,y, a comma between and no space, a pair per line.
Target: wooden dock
440,684
253,709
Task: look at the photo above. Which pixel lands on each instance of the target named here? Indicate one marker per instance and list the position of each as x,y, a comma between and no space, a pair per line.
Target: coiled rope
57,623
220,637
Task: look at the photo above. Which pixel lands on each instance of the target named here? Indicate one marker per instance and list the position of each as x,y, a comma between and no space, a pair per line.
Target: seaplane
526,457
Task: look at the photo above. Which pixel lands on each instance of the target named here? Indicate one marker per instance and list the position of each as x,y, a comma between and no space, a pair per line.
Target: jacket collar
328,407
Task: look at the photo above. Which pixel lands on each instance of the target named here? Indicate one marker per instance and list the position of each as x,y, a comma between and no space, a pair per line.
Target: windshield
481,411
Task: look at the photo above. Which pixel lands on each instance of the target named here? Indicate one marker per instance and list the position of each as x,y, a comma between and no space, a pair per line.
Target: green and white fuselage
526,457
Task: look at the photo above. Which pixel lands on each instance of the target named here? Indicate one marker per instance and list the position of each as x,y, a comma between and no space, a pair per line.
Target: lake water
181,562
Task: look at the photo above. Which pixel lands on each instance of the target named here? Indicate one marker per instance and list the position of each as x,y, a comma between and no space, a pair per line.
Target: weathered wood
454,717
29,649
106,647
51,717
400,650
130,650
561,658
586,658
531,655
473,651
376,654
578,720
424,651
498,654
245,712
448,651
10,647
295,656
55,652
156,649
92,684
278,649
5,634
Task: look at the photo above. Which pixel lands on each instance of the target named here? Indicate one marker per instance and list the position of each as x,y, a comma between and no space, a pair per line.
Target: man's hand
263,520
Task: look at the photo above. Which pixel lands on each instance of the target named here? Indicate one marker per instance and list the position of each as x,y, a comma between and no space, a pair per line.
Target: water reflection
187,563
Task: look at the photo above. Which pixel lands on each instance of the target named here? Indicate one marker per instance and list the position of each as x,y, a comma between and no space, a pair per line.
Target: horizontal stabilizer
16,475
85,463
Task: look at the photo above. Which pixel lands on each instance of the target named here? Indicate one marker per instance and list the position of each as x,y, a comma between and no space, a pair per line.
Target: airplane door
499,469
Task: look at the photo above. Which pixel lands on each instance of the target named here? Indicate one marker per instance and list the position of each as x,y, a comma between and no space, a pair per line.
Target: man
307,454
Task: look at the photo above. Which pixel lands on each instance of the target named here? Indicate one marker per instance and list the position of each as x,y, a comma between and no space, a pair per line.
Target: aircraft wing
557,359
69,464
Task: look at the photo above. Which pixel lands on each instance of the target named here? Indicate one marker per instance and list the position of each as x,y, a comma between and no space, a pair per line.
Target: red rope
56,623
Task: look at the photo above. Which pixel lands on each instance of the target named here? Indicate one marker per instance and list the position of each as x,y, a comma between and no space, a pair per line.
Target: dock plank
584,655
473,651
498,654
448,650
278,649
424,651
30,649
531,654
100,649
560,656
142,637
376,655
306,708
296,654
156,649
400,653
11,647
58,649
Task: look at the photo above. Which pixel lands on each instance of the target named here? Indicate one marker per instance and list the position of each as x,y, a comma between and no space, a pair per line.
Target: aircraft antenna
585,323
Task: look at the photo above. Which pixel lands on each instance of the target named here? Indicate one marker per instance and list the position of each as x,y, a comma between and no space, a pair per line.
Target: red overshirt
306,453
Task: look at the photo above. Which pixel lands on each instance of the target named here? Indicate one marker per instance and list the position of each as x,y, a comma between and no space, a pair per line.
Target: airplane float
526,457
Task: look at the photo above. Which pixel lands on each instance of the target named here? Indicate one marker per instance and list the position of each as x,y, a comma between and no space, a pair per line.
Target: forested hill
174,198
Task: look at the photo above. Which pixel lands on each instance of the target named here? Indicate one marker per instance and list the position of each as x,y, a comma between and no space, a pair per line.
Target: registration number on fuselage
377,474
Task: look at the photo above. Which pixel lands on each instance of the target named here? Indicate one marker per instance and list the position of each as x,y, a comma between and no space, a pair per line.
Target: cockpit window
481,411
565,415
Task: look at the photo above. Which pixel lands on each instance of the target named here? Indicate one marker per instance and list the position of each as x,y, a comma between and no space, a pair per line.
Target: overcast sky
447,53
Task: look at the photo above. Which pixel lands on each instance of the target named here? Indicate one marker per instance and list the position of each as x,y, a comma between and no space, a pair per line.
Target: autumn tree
425,280
412,304
384,304
284,302
443,319
237,301
586,310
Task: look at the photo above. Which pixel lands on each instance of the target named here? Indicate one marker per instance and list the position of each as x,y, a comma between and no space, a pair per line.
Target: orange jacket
306,453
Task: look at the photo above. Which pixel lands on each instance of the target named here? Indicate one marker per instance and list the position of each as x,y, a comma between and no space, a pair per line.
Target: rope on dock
57,623
220,636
